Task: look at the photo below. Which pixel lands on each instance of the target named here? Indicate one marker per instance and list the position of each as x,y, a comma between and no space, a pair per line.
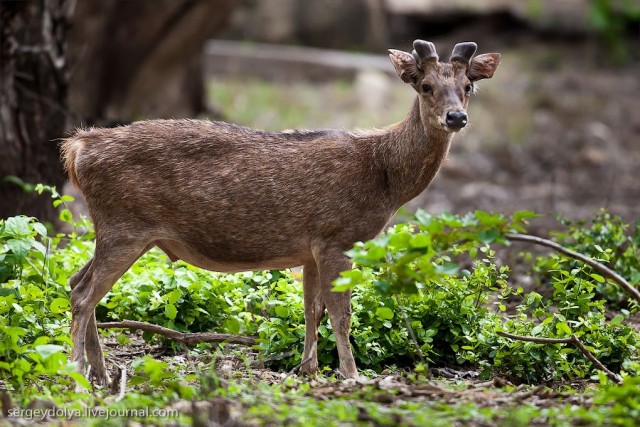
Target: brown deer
229,198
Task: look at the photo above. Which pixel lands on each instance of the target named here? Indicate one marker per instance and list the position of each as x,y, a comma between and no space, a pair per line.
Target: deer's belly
176,250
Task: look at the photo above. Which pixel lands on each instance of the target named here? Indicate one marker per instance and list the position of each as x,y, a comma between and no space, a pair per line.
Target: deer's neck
410,154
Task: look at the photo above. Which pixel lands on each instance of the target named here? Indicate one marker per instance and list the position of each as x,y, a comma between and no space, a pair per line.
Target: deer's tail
70,149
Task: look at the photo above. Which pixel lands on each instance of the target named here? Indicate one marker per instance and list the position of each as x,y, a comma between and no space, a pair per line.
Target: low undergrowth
427,294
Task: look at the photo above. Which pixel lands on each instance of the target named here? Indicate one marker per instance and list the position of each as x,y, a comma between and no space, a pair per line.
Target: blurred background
557,130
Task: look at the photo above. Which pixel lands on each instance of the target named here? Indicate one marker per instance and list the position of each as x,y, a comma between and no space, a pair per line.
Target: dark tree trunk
33,113
129,60
141,59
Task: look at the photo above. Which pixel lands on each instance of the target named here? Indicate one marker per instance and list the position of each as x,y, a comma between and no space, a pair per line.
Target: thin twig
571,340
182,337
410,329
306,360
599,267
539,340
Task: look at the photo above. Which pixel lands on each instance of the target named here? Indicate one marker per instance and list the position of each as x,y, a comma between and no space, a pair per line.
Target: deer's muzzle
456,120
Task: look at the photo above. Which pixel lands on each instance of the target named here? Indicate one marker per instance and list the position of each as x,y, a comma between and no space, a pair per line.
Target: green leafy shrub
606,239
429,290
34,304
423,260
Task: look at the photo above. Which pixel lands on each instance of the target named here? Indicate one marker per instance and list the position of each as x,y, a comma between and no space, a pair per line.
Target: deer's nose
456,119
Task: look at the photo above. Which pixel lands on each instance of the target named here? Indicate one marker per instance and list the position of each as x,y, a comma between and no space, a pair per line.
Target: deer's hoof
351,373
309,369
99,377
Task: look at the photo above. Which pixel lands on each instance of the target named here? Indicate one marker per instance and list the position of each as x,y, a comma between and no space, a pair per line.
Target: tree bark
33,112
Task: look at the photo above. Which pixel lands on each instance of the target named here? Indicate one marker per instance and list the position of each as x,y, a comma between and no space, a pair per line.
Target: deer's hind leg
313,314
93,349
111,259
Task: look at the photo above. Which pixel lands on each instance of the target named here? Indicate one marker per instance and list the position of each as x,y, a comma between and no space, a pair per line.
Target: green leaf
563,328
173,296
80,380
598,278
59,305
375,253
384,313
170,311
42,340
232,325
66,216
488,236
382,286
423,217
347,280
39,228
4,292
122,339
448,269
617,320
282,311
47,350
420,241
537,329
522,215
486,218
17,226
19,247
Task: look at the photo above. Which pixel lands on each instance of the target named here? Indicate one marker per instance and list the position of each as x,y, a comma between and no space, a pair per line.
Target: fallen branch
571,340
182,337
599,267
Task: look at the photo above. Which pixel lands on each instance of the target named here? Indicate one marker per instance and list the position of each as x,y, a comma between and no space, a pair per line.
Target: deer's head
443,88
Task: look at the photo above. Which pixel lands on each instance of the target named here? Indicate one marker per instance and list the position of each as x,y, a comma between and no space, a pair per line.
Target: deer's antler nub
462,52
424,51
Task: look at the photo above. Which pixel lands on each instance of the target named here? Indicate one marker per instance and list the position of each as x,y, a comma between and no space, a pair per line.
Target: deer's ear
483,66
405,65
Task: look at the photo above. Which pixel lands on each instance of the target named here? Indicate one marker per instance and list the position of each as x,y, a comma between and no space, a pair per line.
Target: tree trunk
33,113
129,60
141,59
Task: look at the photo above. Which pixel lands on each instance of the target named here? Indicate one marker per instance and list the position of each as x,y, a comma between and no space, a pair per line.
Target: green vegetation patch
430,297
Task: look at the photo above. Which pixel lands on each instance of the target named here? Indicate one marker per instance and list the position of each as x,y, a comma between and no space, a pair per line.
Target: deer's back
216,184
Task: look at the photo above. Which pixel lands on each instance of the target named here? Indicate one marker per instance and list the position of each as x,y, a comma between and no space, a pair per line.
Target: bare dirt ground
443,387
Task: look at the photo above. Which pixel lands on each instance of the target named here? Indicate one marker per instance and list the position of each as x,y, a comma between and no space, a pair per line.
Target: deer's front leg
330,263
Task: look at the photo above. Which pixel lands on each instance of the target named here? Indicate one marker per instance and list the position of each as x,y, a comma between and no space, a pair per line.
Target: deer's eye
426,88
468,88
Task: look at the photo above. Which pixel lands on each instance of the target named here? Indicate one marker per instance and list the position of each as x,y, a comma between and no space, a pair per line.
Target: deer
229,198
